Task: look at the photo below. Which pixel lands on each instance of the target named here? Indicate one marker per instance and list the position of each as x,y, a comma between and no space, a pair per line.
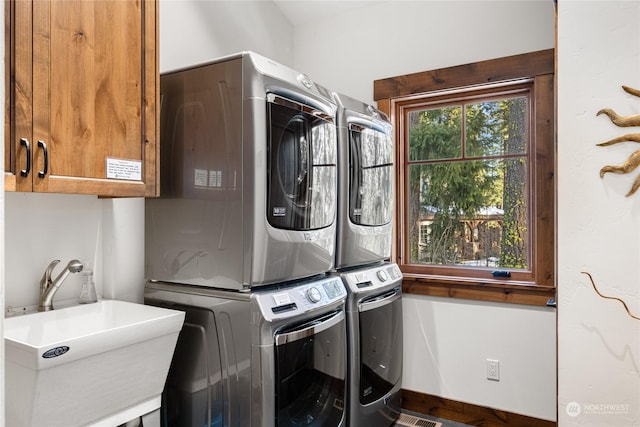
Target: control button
314,294
305,80
382,275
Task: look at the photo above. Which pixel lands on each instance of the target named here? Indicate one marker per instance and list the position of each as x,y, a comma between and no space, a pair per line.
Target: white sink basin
94,364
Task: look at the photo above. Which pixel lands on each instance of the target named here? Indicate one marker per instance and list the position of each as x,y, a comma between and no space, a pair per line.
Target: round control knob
382,275
314,295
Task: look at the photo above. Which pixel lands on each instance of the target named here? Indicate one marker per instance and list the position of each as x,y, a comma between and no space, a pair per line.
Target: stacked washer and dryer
374,284
243,239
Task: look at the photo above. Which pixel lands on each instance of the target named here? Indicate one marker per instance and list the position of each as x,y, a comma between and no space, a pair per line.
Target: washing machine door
380,344
301,172
310,373
371,175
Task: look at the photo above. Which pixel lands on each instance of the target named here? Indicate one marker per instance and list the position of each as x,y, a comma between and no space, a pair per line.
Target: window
475,167
467,181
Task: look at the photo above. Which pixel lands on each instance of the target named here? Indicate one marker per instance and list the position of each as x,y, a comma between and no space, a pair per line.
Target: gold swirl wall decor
600,294
624,121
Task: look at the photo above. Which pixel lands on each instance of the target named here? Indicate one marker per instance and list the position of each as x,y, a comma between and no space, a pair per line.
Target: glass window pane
495,128
469,213
435,133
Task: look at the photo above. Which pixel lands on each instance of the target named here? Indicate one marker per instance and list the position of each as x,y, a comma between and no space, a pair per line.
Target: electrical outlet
493,370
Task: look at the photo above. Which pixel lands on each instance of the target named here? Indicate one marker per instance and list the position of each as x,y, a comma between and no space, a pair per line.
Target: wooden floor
466,414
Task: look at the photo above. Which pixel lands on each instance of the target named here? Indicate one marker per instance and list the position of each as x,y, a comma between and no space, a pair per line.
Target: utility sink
97,364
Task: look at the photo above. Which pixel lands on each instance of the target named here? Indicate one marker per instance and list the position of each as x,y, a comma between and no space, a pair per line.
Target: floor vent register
413,421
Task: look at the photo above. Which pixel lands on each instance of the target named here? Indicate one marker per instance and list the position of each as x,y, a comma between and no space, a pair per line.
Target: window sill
495,290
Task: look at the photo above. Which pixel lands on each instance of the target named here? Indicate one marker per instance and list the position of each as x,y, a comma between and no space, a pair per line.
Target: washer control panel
291,300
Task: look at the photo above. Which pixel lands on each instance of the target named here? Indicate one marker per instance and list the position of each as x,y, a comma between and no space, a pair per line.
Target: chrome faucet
49,287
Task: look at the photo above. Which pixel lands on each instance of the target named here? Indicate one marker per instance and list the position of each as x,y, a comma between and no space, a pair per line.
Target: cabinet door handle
43,173
25,143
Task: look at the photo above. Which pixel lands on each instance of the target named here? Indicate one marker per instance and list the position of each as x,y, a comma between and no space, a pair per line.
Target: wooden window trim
540,67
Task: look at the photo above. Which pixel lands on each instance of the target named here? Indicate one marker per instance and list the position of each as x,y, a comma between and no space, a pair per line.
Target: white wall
195,31
399,37
106,235
599,228
448,340
41,228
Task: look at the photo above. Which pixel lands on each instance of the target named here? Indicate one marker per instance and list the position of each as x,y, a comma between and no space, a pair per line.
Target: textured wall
598,227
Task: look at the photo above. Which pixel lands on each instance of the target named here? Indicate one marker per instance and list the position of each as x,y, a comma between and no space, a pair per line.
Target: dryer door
301,172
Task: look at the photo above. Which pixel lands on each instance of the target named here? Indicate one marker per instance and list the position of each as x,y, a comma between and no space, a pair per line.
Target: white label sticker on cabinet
215,178
200,177
124,169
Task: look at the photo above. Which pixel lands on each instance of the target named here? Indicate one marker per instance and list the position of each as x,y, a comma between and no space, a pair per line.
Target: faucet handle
46,277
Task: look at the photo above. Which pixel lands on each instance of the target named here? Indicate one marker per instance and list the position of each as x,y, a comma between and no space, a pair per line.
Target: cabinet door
18,96
95,79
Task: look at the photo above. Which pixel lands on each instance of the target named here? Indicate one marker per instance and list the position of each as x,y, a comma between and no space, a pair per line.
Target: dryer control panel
372,277
292,300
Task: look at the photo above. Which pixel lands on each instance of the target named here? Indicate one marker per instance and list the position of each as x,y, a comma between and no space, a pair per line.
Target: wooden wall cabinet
82,86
